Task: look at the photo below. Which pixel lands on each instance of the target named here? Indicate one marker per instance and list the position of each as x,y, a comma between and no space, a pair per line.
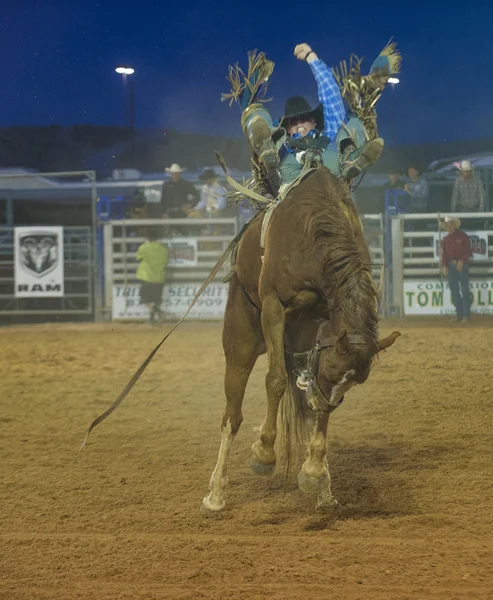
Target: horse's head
335,365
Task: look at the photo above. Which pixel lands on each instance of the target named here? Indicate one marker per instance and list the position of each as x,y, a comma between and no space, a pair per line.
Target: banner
430,298
479,245
182,251
176,300
38,262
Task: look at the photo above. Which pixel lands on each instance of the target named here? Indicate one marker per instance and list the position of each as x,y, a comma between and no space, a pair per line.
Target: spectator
395,182
468,194
178,196
456,253
418,191
151,273
212,196
153,202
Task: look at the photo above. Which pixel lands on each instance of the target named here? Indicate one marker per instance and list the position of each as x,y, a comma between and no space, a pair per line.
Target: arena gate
47,269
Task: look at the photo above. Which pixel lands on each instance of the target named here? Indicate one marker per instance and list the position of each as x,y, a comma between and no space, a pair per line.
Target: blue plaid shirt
330,97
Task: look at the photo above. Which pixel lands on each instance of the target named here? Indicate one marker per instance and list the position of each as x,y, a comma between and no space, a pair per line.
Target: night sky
58,60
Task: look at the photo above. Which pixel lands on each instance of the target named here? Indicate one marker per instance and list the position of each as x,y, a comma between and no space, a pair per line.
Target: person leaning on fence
212,195
178,196
418,190
456,253
468,194
151,273
394,181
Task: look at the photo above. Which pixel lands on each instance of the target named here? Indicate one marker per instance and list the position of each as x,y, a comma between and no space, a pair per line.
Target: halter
313,358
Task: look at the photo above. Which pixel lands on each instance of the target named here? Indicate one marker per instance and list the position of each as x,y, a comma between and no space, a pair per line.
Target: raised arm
328,90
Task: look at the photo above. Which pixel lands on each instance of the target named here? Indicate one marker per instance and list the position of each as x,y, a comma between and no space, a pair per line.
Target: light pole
129,104
393,82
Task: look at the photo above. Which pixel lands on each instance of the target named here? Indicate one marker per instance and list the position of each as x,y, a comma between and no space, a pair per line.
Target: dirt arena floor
410,455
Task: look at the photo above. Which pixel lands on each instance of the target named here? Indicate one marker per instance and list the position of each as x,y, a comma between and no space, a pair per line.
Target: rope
124,393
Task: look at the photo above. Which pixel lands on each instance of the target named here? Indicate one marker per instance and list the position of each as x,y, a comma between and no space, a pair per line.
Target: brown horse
308,296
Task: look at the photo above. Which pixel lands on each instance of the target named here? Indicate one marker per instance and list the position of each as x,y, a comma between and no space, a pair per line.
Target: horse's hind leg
263,459
242,343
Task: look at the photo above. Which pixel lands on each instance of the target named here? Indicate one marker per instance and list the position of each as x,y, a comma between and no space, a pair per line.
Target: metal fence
404,246
211,236
68,199
208,238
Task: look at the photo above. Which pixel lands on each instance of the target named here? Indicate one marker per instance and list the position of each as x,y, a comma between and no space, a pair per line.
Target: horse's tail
295,421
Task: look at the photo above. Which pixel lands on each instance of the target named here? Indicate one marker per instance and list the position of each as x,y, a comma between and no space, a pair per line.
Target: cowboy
340,141
468,194
456,253
178,196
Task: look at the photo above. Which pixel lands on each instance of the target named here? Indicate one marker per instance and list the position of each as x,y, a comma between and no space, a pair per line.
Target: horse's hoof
210,509
309,485
260,469
326,502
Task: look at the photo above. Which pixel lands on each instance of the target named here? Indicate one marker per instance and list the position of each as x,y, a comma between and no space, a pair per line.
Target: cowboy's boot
266,150
354,160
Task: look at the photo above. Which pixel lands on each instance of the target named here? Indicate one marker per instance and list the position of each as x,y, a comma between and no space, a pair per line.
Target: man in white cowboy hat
178,196
456,253
468,194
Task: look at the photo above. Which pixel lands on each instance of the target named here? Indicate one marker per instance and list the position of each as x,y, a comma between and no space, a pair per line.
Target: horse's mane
330,219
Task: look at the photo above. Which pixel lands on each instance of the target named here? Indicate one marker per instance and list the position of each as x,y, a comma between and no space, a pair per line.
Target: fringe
362,92
394,57
255,81
254,183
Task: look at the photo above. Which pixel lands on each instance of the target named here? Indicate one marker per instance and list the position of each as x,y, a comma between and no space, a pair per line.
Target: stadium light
125,70
393,80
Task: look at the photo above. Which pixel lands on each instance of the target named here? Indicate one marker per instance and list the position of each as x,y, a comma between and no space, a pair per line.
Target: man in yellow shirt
151,273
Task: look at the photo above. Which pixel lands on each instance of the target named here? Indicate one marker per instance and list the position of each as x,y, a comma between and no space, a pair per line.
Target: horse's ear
342,343
388,341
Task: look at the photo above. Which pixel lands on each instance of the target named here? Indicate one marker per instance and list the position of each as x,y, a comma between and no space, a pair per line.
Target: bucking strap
265,224
241,188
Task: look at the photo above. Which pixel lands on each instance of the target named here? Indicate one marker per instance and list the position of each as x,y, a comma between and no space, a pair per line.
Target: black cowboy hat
208,174
297,106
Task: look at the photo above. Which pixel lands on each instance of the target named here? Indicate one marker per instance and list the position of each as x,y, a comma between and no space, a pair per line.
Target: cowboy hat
175,168
455,220
208,174
464,165
297,106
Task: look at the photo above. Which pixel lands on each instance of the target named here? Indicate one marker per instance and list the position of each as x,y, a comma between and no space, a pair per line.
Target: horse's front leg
242,343
314,476
263,458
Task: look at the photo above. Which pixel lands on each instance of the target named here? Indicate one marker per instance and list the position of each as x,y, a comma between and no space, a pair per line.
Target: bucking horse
308,299
302,289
